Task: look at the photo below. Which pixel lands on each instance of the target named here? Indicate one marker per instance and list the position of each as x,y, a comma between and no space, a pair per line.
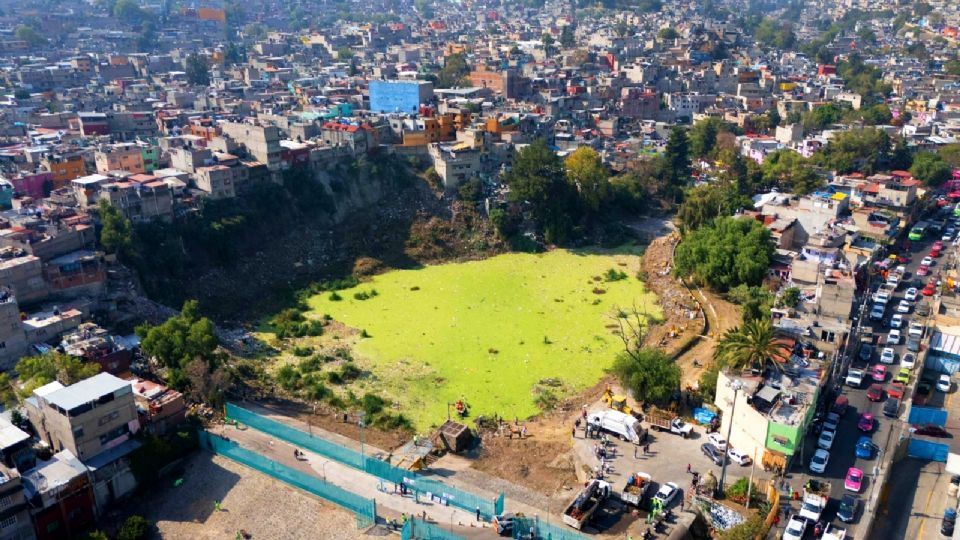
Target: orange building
64,169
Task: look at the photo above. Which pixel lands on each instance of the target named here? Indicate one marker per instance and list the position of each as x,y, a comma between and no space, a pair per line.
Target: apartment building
119,157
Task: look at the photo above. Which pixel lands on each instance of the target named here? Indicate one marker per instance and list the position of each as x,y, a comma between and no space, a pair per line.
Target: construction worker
403,518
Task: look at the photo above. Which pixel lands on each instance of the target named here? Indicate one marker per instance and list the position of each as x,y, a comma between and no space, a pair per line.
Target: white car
881,297
716,440
908,361
904,306
927,261
887,356
915,330
943,383
877,312
667,493
826,439
831,422
738,457
896,321
796,527
911,294
893,338
818,463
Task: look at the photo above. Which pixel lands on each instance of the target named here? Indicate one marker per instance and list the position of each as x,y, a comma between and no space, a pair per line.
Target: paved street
886,430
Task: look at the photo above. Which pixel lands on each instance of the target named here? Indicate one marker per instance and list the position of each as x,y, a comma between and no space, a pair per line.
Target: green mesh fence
542,530
442,493
365,509
418,529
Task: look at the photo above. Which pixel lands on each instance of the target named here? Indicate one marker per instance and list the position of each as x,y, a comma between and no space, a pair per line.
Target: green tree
649,374
30,35
930,169
116,232
8,392
952,67
180,340
668,34
454,71
707,383
198,70
951,154
234,54
749,346
703,136
791,297
863,79
567,38
677,155
791,172
128,10
134,528
728,252
586,172
866,150
621,28
770,33
36,371
547,40
538,179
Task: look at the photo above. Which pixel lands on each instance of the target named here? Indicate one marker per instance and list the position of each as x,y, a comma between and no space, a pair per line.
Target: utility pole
736,385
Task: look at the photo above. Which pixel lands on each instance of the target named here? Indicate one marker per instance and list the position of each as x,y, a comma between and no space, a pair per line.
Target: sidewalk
390,505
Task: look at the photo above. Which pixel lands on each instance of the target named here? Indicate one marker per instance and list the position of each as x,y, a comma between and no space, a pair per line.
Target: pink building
31,185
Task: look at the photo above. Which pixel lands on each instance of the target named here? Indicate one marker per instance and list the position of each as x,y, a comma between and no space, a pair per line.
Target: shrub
372,404
334,377
288,377
546,399
316,390
350,372
309,365
334,297
302,351
134,528
615,275
361,295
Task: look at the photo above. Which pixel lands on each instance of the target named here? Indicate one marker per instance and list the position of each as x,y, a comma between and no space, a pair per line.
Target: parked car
891,407
865,352
738,457
893,338
667,493
865,447
818,463
938,245
911,294
879,373
915,329
934,254
908,361
903,307
875,392
896,389
923,271
795,529
717,441
826,439
854,479
896,321
876,313
887,356
930,430
927,261
832,421
913,344
849,505
928,291
922,393
865,423
712,452
943,383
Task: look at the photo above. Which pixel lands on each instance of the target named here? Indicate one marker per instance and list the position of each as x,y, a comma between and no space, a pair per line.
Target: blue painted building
399,96
6,194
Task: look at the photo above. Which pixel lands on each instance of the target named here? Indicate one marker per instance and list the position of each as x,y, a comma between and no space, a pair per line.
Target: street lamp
736,385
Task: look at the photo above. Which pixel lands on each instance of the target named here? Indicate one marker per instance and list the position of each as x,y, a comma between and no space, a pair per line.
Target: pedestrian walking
634,452
573,432
478,513
683,500
688,468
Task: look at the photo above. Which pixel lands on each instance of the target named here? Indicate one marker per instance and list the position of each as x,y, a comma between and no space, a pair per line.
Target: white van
622,425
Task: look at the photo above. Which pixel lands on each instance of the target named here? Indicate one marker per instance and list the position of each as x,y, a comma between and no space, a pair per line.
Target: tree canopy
588,174
649,374
538,179
728,252
930,168
866,150
30,35
198,70
116,232
677,155
454,71
749,345
774,34
36,371
791,172
180,340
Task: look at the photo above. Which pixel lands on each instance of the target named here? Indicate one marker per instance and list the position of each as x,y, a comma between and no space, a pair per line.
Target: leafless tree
632,327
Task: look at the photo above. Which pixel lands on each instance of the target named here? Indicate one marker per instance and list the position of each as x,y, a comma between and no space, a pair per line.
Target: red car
865,423
938,245
923,271
895,390
934,253
875,392
854,479
928,290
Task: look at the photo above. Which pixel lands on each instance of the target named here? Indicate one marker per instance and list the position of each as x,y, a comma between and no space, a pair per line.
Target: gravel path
264,507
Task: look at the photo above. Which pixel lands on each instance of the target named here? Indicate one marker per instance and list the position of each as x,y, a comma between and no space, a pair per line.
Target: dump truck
664,421
587,502
623,425
815,497
637,489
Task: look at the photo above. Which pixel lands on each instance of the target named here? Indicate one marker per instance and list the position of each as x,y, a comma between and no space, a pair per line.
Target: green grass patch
489,331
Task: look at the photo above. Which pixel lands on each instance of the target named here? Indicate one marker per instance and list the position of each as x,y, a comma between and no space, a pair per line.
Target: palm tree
749,345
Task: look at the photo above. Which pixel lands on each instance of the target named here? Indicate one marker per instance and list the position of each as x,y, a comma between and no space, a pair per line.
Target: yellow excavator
618,402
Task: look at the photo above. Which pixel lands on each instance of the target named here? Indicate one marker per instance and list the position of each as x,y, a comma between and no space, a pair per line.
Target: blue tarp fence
927,415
